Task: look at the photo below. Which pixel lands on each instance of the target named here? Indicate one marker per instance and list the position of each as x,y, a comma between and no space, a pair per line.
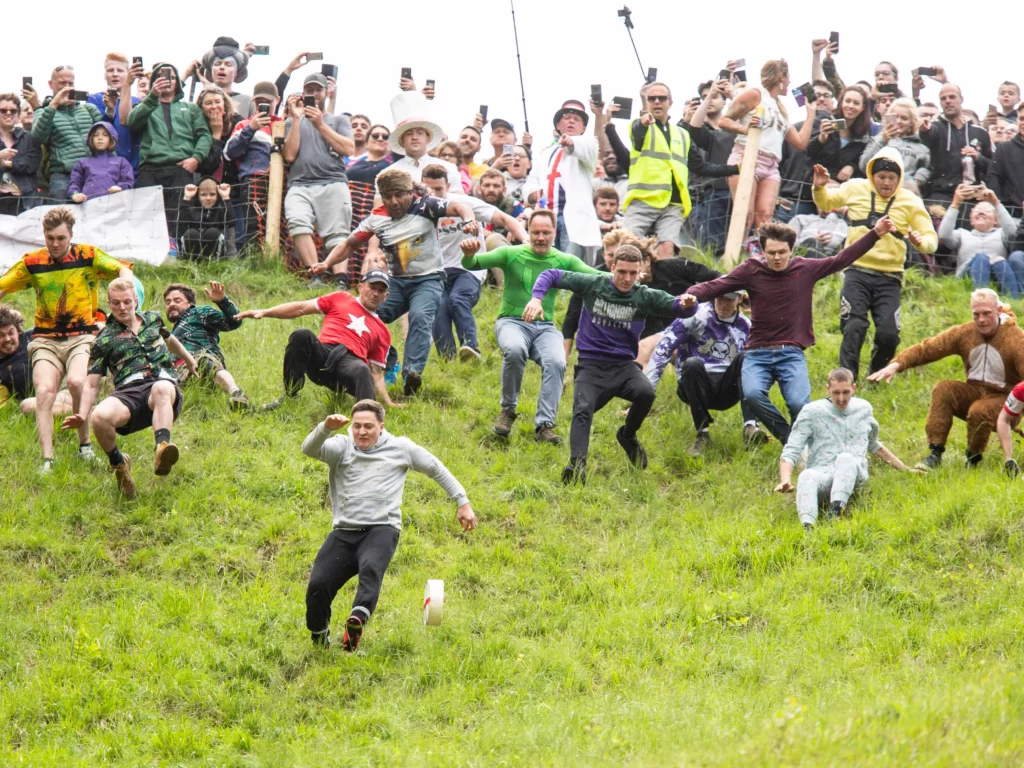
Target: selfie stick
519,61
625,14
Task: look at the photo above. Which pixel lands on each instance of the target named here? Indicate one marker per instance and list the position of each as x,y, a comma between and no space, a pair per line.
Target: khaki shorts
59,352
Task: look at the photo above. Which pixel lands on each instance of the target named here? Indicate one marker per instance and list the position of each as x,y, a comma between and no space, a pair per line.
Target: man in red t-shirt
352,349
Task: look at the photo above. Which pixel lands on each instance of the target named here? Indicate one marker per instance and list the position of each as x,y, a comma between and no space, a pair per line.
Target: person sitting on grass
15,369
520,339
104,172
352,351
838,433
136,349
614,311
367,480
198,328
993,355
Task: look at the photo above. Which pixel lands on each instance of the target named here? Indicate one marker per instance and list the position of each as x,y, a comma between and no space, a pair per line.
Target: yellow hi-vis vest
652,169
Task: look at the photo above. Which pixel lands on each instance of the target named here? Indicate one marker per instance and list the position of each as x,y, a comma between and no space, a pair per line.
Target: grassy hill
678,616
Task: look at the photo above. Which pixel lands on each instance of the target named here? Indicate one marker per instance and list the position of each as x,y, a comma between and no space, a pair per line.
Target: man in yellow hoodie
873,283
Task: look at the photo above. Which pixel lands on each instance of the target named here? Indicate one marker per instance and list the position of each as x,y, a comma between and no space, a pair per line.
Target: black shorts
135,396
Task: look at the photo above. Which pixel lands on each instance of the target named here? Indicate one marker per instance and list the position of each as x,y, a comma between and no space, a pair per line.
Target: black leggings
365,553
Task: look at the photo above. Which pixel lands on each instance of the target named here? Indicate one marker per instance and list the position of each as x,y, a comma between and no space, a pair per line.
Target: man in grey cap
351,351
315,147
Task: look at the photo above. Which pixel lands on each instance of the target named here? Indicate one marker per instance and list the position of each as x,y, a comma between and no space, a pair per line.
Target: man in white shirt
414,135
561,178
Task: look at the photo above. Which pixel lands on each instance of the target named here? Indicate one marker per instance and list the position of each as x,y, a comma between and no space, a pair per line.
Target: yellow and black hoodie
906,211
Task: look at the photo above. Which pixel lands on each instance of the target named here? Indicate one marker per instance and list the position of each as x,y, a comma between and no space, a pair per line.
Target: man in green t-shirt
518,339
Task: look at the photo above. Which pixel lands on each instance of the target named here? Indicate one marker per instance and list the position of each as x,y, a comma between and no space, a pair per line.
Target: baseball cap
317,78
499,122
376,276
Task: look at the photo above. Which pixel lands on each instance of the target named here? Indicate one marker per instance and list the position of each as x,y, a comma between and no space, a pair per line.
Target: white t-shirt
774,125
450,235
415,169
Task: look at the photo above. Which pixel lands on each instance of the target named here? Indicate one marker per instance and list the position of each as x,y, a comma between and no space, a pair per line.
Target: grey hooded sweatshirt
367,486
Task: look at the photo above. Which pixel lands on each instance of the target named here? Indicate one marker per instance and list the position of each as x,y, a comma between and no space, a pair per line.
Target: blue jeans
1009,274
799,209
420,297
709,220
764,367
460,295
542,343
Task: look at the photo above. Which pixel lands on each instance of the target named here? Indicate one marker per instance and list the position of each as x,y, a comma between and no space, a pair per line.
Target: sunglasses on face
380,136
8,111
657,98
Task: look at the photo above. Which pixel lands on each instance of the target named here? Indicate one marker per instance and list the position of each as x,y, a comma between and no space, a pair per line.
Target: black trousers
173,179
595,384
200,243
879,294
331,366
365,553
705,392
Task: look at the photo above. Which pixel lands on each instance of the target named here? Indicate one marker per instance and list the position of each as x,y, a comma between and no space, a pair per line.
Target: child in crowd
104,172
206,219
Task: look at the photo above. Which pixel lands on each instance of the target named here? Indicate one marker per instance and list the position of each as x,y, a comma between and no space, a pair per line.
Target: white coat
576,170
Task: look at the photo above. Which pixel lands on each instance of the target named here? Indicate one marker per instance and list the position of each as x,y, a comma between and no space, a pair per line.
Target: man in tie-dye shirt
65,277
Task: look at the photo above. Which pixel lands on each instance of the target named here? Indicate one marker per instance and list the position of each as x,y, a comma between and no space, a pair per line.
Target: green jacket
63,131
189,134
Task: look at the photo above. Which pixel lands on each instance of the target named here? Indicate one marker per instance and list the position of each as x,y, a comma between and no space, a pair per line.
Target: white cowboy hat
410,109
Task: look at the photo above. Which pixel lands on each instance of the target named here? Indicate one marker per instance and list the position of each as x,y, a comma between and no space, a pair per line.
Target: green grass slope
677,616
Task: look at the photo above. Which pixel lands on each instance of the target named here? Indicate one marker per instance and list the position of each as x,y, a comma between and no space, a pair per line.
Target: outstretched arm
891,459
424,461
287,311
178,350
92,386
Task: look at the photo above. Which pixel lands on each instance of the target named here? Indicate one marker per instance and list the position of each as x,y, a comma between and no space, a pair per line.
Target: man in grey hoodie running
367,479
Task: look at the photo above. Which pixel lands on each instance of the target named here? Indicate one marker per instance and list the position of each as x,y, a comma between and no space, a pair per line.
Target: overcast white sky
470,51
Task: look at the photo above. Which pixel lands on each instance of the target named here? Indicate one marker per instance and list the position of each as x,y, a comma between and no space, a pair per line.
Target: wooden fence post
744,191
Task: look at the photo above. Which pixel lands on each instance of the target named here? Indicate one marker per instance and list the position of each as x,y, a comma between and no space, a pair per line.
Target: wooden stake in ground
744,191
272,244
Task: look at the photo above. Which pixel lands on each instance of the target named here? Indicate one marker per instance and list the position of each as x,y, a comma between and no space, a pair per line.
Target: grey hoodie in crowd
968,243
916,157
367,486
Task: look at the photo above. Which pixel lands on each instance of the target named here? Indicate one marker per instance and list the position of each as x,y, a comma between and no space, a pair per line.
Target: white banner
129,225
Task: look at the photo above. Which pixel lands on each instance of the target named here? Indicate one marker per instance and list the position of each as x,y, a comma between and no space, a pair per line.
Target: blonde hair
985,294
911,107
774,72
120,285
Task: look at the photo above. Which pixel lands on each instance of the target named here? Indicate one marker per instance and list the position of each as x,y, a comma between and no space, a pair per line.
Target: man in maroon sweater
781,288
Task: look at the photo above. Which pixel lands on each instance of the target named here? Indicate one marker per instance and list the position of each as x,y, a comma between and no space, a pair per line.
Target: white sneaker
47,468
468,354
86,453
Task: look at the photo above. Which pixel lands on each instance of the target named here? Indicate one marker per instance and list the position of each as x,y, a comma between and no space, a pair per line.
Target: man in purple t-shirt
781,289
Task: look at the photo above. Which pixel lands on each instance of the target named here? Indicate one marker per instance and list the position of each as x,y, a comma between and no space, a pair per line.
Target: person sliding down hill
367,478
614,311
838,432
873,283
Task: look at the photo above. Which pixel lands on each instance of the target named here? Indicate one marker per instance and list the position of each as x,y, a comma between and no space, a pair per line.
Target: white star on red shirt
358,324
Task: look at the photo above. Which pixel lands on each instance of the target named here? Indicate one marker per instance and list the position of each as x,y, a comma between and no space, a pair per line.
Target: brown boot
123,476
166,456
754,436
547,434
503,425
